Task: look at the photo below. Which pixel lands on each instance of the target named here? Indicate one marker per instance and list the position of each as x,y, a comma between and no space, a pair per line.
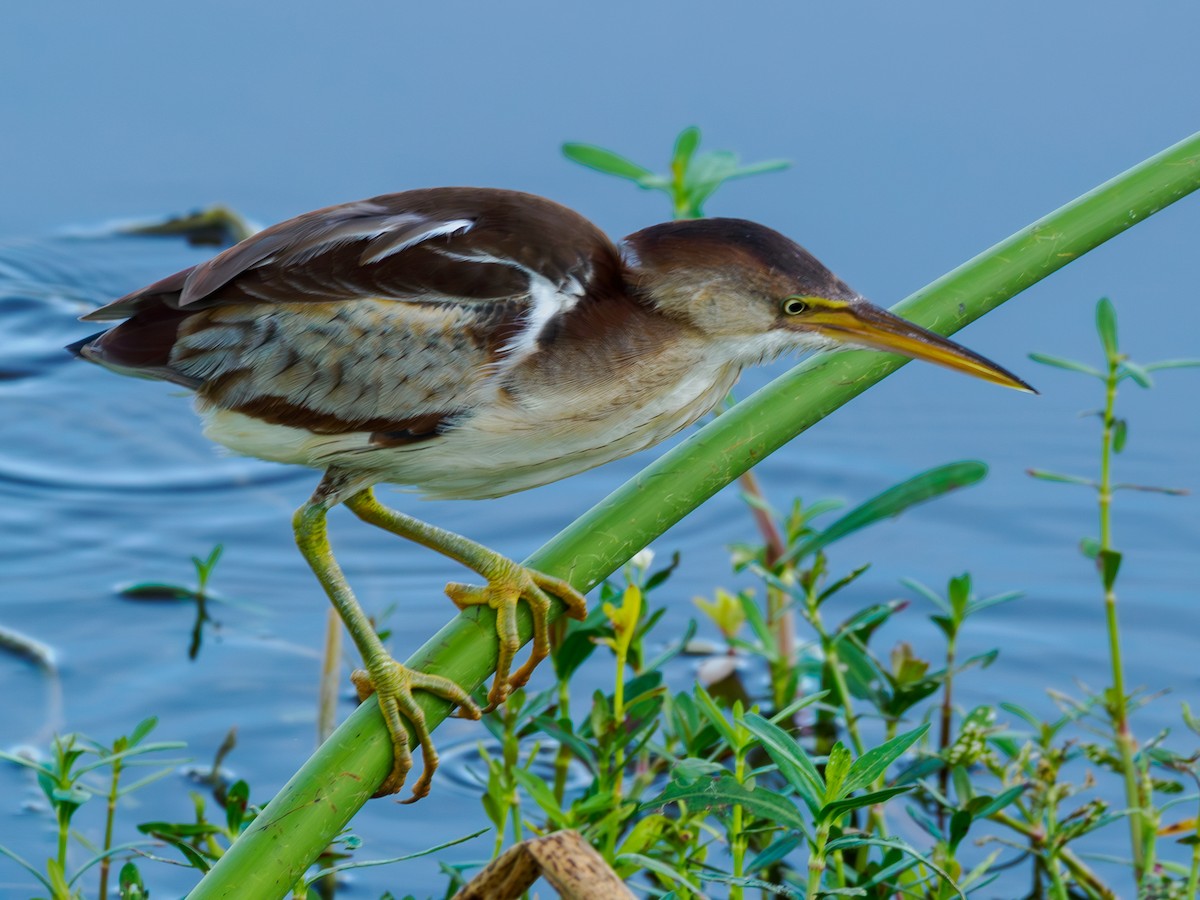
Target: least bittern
470,343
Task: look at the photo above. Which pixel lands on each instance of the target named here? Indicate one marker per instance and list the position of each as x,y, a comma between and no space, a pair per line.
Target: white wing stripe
389,243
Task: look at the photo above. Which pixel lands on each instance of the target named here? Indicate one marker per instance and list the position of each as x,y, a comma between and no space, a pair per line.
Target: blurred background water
919,135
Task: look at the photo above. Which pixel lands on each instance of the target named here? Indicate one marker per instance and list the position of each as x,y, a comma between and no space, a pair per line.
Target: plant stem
109,814
816,863
562,759
834,666
1117,706
947,716
1193,888
737,841
331,667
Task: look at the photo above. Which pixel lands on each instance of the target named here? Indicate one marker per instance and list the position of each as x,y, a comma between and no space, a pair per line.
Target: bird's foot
393,684
508,584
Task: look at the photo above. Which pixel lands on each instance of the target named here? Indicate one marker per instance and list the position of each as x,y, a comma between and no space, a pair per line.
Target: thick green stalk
816,863
339,778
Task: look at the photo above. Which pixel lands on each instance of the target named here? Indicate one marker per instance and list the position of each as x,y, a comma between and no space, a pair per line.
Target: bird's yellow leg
392,683
507,584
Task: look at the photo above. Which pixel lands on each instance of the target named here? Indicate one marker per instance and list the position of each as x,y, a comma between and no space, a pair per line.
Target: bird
468,343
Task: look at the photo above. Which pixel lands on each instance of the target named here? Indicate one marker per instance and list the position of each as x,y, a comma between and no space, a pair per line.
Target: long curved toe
393,684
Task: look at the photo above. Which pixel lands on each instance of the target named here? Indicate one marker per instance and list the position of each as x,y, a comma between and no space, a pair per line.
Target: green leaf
872,764
130,880
236,801
960,823
793,762
1130,369
772,854
837,766
667,871
1069,364
978,606
927,592
26,866
1120,433
1089,547
722,792
1172,364
1106,326
541,794
760,168
1043,475
920,488
606,161
839,808
712,712
853,840
142,729
685,148
1110,564
983,806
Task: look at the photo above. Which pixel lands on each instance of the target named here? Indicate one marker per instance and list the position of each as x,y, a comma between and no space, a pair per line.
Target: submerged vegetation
805,759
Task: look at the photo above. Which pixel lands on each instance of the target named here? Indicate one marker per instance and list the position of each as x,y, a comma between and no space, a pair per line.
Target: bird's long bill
870,326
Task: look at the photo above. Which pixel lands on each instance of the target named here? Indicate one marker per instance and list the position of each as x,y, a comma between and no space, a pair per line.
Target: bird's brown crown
725,275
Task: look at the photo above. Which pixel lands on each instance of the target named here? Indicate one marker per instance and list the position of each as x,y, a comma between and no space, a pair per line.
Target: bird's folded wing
439,245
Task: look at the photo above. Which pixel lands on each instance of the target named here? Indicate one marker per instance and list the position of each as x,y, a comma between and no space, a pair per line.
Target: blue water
920,136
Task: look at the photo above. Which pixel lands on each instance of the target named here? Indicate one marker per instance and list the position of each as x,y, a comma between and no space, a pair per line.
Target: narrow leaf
1069,364
1110,564
1120,434
840,807
982,807
850,841
837,767
793,762
1106,326
605,161
775,852
685,147
875,762
760,168
1172,364
920,488
723,792
1043,475
1130,369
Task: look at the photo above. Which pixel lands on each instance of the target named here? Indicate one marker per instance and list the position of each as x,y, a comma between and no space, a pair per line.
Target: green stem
110,813
621,649
562,759
947,719
816,864
737,841
834,664
1193,888
1079,870
1118,709
343,773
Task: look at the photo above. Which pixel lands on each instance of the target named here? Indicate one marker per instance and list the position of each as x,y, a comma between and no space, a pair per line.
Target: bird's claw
504,590
393,684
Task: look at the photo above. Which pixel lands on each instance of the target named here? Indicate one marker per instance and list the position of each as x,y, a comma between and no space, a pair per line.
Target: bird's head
758,294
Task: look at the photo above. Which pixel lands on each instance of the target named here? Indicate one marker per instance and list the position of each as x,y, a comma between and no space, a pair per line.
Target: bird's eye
793,306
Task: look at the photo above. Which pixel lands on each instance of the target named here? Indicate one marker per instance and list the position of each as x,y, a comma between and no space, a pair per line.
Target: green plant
199,595
693,177
67,783
1117,703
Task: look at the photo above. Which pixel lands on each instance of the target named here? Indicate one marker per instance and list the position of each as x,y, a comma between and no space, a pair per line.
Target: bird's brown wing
384,315
443,245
